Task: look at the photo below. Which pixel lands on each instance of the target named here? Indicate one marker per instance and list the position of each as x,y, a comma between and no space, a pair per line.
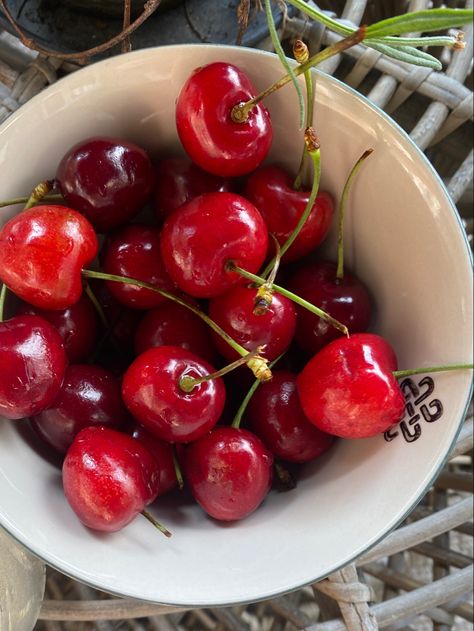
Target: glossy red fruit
229,472
42,252
178,180
89,396
233,311
32,365
152,393
106,179
275,415
201,237
171,324
77,325
271,190
108,478
134,252
162,453
203,120
348,388
348,300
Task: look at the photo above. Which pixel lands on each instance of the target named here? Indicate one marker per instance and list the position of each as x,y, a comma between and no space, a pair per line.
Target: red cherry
178,180
233,311
108,478
32,365
106,179
77,325
201,237
152,393
90,395
348,389
347,300
134,252
271,190
42,252
274,413
171,324
203,120
162,453
229,472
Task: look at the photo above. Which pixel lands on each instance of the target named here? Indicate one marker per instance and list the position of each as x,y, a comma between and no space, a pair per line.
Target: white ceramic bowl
403,237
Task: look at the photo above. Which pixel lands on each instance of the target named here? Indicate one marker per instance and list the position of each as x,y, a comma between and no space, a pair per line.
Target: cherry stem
398,374
156,523
342,207
102,317
38,193
23,200
243,406
177,468
264,296
232,267
312,144
240,112
301,54
3,293
188,383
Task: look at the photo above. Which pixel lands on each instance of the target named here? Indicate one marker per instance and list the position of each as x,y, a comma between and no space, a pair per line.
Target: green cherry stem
301,54
3,294
38,193
232,267
177,468
241,111
23,200
399,374
264,296
156,523
342,207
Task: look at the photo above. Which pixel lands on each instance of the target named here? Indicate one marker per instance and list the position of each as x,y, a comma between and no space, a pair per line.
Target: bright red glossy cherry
151,391
77,325
347,300
205,127
171,324
32,365
229,472
178,180
42,252
348,388
108,478
134,251
271,190
233,311
89,396
106,179
162,453
201,237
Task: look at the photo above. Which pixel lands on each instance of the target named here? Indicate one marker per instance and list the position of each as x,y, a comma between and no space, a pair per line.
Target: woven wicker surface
420,576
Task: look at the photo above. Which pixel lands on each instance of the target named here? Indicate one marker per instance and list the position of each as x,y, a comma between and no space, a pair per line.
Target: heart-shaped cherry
42,252
271,189
106,179
205,127
202,236
348,388
32,365
89,395
229,472
152,392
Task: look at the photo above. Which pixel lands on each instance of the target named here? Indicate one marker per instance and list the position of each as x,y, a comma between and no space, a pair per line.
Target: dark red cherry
201,237
108,478
42,253
229,472
348,388
178,180
171,324
205,127
233,311
134,251
32,365
90,395
162,453
151,391
275,415
271,190
106,179
347,300
77,325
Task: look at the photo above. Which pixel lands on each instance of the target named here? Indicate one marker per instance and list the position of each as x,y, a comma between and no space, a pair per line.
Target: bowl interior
402,237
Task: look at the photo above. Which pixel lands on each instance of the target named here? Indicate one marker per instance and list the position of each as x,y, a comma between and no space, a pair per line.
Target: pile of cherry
128,426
